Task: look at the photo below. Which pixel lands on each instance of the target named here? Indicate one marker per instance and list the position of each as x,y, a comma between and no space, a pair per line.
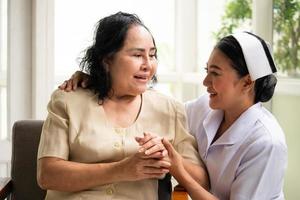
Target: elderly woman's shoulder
78,95
161,103
160,97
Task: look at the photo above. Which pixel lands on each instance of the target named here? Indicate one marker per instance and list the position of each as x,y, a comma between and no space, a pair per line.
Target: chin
213,105
139,91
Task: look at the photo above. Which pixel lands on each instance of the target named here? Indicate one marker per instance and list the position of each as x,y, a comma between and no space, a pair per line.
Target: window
285,104
71,41
4,144
3,69
206,39
175,35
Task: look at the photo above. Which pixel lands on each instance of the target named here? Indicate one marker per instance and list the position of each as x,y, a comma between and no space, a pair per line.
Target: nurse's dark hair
264,86
109,37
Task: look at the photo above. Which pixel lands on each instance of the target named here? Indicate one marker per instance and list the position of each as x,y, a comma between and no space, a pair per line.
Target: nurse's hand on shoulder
78,79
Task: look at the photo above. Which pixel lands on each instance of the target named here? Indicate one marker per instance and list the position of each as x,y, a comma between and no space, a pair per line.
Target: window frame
3,62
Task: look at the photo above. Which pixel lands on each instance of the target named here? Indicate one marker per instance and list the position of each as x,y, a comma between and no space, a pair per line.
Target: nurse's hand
78,79
137,167
175,158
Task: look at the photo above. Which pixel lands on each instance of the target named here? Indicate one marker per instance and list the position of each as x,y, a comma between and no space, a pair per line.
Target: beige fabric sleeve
184,142
54,138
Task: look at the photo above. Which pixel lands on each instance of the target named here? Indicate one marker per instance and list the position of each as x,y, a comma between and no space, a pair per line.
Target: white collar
236,132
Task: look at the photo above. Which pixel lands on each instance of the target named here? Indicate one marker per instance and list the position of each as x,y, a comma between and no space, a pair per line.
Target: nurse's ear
247,84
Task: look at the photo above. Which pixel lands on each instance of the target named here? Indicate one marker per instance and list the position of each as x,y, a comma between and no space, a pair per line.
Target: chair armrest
179,193
5,187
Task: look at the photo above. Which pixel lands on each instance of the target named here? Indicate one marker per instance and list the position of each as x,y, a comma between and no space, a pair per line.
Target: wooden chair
23,182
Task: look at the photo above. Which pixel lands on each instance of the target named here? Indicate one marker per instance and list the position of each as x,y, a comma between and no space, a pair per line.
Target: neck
122,111
119,97
123,98
232,114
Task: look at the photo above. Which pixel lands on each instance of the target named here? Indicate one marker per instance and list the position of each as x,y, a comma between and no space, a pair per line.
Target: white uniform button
109,191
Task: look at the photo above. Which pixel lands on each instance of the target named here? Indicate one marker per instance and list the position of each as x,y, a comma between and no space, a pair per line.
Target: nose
146,64
206,81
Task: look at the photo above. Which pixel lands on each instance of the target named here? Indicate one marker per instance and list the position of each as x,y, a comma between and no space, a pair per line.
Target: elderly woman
88,147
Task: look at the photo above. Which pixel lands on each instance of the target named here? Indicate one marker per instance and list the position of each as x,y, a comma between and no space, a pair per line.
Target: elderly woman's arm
68,176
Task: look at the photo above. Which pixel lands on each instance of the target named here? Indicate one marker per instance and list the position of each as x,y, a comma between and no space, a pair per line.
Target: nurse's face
222,82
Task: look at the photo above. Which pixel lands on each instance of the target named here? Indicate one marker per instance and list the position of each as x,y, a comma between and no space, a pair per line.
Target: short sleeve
54,137
184,142
196,111
261,173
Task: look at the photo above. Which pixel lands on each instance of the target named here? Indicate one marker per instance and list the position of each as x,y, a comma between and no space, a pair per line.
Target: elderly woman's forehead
138,35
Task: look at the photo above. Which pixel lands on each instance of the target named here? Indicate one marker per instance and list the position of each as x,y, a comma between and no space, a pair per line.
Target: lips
211,93
141,77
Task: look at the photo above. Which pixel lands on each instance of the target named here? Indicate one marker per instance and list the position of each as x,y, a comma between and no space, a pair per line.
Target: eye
152,56
137,55
211,72
214,73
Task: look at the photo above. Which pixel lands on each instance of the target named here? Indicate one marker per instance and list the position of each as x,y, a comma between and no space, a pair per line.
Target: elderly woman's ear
106,62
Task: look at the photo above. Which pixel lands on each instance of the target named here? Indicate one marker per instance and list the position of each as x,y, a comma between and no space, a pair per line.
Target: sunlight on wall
287,111
82,16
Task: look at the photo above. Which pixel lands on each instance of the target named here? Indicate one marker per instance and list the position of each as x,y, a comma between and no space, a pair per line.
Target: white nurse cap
257,55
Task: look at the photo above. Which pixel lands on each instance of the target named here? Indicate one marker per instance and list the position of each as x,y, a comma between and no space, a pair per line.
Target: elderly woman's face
135,64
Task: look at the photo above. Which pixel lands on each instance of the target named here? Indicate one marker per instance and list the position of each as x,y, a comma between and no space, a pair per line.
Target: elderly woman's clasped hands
151,160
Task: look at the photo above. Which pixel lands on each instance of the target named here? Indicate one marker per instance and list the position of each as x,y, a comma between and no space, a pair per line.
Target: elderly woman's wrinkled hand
137,167
152,146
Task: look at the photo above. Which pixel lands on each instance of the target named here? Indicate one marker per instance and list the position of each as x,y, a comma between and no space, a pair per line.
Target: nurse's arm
184,177
197,172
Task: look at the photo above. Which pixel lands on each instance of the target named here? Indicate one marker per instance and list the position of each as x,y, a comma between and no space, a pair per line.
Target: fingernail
147,152
141,150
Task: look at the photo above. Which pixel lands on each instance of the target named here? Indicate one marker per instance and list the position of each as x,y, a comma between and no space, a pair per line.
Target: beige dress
77,129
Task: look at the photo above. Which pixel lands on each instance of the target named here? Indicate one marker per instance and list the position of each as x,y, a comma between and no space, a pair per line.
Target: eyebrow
142,49
214,67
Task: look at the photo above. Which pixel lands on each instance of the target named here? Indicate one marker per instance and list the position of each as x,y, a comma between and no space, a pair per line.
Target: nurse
240,142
